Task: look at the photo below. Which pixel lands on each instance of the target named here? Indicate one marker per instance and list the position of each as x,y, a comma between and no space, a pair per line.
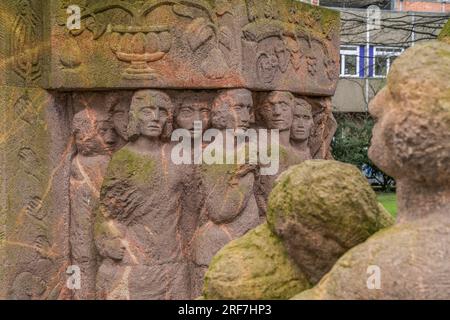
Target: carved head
302,122
151,115
94,133
231,109
192,109
119,108
276,110
411,139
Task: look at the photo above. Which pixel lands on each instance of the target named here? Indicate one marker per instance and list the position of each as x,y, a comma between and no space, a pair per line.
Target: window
349,61
383,59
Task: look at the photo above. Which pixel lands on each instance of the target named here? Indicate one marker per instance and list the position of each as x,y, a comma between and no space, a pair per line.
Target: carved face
232,110
302,122
94,137
411,137
277,111
120,120
191,111
380,108
151,113
239,111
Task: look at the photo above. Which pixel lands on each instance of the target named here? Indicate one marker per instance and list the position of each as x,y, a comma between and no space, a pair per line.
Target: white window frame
350,50
387,52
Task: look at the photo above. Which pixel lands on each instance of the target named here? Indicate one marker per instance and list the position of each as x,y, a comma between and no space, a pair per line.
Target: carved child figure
95,140
229,208
140,202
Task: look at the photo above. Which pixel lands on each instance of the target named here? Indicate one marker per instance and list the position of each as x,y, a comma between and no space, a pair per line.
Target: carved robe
141,199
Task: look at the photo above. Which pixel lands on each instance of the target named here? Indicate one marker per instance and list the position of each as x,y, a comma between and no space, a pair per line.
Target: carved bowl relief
140,46
158,39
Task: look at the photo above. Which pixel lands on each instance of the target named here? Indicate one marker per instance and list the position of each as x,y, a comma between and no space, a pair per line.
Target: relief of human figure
280,110
194,108
137,225
229,207
95,140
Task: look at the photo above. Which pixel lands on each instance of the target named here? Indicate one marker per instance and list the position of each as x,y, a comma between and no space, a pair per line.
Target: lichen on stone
320,209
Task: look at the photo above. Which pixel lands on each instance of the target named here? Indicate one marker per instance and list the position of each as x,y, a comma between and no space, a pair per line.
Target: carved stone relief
91,181
293,117
37,196
149,38
144,215
25,36
198,44
95,140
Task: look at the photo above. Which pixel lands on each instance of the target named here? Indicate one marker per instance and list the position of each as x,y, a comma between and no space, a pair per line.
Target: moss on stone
320,209
127,164
327,193
255,266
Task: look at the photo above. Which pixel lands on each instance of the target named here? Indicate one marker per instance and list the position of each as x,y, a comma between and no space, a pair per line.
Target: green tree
351,144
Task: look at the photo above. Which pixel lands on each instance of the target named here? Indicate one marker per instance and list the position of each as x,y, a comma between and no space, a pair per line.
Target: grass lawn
389,201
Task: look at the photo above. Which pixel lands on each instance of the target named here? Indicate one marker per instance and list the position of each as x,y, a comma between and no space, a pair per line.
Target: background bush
351,143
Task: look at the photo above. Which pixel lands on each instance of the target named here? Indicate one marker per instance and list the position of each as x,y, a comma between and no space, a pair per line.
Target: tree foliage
351,144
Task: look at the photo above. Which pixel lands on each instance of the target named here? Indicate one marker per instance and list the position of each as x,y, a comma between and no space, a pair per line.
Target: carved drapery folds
137,213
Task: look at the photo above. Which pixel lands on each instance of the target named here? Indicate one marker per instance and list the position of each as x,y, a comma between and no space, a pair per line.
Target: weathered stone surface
255,266
35,149
412,259
229,207
411,142
321,209
96,196
196,44
22,46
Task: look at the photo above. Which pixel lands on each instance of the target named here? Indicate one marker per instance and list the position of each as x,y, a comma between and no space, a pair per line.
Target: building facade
371,39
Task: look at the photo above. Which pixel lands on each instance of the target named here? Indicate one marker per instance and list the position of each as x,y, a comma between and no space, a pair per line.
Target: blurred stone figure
95,140
229,207
137,227
411,142
279,110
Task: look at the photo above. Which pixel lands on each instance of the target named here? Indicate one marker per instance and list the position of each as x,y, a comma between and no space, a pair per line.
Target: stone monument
411,142
316,212
91,203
